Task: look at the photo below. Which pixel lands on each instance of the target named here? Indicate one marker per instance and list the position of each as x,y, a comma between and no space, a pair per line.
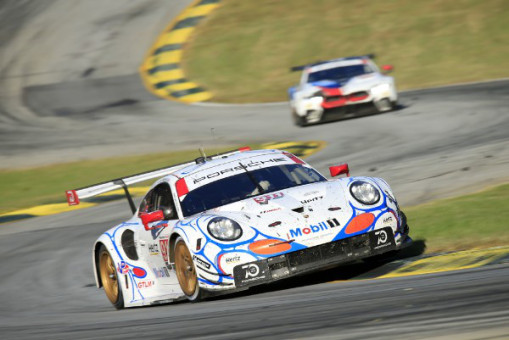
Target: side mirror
339,170
387,68
147,218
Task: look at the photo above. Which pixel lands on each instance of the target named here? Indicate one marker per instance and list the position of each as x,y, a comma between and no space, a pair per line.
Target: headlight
382,88
364,192
224,229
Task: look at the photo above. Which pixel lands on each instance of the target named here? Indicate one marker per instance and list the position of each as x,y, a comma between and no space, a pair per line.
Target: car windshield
339,73
247,184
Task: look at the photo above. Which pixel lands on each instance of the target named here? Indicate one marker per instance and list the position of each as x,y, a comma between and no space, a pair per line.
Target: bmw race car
341,88
244,218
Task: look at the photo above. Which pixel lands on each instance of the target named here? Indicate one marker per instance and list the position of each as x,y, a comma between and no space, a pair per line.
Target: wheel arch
105,241
171,251
95,259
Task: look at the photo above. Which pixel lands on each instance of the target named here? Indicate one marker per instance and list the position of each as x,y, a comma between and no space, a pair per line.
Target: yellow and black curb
300,149
451,261
437,263
161,70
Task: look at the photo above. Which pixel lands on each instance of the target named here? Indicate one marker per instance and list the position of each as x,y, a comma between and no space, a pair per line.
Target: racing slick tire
384,105
109,278
186,271
298,120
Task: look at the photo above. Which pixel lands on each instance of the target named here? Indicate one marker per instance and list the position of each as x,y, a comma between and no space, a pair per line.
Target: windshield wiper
253,179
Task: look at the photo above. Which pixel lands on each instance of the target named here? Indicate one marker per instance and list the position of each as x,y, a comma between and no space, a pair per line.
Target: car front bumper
306,260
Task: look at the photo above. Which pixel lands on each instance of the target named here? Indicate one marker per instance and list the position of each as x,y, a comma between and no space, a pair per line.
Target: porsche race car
244,218
341,88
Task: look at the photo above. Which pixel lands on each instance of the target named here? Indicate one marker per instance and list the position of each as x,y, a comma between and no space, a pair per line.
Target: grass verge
473,221
243,51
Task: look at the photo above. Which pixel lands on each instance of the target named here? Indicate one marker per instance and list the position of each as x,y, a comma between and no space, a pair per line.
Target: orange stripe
267,247
359,223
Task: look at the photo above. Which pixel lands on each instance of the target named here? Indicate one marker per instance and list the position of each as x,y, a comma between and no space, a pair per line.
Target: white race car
232,221
341,88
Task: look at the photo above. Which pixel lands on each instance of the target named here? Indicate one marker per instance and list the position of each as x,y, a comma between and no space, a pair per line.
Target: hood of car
307,214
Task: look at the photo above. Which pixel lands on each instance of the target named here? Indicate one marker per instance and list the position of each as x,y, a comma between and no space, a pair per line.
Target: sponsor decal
161,272
201,262
164,248
123,267
231,260
382,238
311,193
153,249
146,284
388,220
270,210
252,270
239,168
317,198
266,198
299,232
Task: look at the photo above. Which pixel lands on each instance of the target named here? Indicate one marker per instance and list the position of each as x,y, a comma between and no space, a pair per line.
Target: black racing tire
298,120
186,271
109,278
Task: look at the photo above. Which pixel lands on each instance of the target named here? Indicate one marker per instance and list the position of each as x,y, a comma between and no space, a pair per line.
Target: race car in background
229,222
341,88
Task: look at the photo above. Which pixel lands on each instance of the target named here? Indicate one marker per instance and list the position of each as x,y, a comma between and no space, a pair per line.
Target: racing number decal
164,249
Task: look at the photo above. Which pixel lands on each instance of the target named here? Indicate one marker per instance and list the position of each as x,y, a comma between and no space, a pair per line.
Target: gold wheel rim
186,272
108,276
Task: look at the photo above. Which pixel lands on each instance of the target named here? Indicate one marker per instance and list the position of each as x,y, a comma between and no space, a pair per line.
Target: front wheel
186,271
298,120
109,278
384,105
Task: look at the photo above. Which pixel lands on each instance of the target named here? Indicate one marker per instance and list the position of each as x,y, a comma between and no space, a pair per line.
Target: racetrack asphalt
441,142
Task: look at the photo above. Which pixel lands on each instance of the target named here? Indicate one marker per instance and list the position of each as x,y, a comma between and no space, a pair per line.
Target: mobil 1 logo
382,240
250,273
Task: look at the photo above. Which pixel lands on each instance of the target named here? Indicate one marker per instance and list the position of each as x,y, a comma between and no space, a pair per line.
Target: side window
147,203
162,197
159,198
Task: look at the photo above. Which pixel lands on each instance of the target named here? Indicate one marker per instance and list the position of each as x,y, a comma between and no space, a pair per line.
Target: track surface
440,143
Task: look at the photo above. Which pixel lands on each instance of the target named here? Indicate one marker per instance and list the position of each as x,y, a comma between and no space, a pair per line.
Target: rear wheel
109,279
186,271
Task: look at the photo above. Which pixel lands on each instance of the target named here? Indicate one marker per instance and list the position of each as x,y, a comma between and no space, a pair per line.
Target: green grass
243,51
474,221
30,187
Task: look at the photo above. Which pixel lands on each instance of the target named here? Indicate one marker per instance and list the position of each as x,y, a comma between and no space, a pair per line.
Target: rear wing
74,196
301,67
